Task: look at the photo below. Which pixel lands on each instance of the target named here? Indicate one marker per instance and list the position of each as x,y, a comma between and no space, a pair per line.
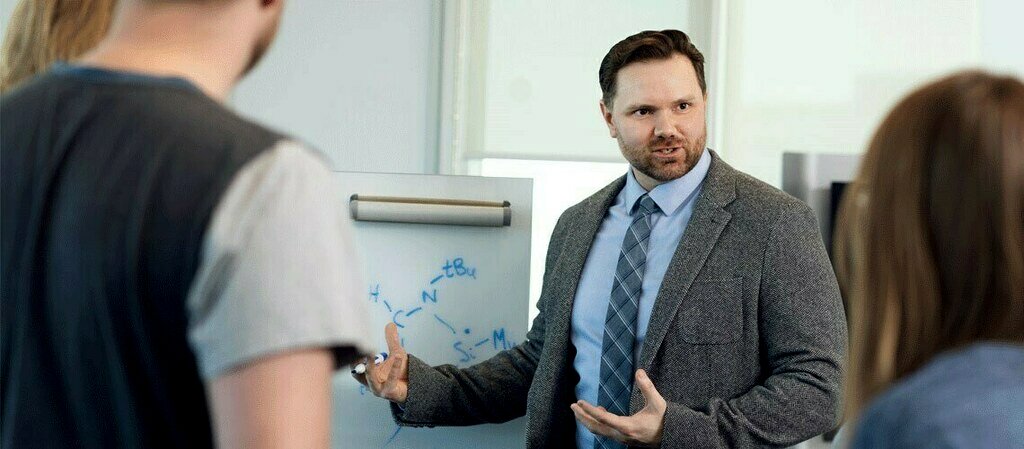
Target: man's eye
642,112
684,106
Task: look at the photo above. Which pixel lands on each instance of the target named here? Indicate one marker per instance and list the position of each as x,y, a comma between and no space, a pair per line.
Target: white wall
818,77
1002,35
356,79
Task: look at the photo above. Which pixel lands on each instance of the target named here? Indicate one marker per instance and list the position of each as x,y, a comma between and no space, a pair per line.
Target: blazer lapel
546,412
708,220
583,228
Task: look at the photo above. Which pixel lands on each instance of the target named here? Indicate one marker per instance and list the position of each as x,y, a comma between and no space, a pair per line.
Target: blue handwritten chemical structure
469,342
454,268
467,346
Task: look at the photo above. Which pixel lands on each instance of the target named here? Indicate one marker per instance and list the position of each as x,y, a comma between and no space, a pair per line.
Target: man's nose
665,127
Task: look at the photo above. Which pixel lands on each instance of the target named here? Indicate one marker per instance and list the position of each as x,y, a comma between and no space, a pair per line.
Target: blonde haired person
42,32
931,258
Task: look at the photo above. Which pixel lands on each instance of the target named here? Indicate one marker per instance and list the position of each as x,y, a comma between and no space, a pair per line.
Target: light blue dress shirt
676,199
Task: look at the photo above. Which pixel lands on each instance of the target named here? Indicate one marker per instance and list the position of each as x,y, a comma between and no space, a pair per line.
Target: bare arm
268,305
281,401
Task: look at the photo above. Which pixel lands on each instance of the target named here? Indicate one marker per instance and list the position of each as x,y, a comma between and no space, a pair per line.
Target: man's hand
642,429
390,379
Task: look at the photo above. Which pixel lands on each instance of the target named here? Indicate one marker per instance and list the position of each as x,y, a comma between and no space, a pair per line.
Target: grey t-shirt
278,270
967,398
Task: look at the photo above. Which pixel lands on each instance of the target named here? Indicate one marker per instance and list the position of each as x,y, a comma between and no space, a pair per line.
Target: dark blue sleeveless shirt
109,181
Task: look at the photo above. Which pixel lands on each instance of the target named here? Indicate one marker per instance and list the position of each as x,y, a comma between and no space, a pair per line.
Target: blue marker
377,360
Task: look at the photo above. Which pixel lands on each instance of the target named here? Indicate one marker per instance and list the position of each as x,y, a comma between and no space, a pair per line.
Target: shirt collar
99,74
672,195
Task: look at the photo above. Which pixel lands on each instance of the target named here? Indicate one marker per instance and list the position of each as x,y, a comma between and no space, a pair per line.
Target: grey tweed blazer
746,340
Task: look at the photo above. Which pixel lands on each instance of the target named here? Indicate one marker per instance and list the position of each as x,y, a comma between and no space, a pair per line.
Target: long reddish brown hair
42,32
930,243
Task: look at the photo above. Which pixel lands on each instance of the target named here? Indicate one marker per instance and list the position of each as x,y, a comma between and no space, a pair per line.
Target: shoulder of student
961,398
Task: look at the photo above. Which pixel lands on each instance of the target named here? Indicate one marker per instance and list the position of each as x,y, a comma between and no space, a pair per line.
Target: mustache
661,142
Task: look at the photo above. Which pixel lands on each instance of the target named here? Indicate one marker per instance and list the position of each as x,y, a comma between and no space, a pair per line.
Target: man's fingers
654,399
397,369
618,423
590,423
392,387
374,376
391,335
386,379
636,429
587,420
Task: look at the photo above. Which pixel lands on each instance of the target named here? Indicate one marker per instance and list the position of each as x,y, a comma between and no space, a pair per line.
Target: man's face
657,115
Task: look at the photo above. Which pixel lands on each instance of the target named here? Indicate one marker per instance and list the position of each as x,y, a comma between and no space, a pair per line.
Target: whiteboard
459,295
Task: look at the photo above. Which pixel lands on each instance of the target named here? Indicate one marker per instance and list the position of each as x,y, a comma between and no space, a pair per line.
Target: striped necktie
616,383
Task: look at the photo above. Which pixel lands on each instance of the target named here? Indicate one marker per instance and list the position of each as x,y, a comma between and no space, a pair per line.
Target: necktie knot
646,205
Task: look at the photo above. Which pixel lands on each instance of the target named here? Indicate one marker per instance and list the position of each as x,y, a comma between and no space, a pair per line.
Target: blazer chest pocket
712,312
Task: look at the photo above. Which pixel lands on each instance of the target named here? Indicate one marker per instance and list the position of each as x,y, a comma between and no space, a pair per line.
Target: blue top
102,75
676,199
967,398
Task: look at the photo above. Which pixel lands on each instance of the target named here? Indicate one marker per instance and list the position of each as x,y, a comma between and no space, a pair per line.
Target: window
557,185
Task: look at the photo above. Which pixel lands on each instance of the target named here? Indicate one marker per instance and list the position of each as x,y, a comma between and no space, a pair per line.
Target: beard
661,169
262,45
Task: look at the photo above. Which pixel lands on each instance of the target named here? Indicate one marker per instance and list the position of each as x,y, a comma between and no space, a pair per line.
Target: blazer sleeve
492,391
803,336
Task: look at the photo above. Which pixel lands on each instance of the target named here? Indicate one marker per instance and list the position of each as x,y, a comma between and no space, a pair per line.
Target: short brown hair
930,242
645,46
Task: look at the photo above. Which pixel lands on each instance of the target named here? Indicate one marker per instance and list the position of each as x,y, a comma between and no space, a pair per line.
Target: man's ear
606,114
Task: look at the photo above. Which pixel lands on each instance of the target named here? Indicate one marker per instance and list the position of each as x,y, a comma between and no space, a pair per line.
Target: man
173,275
685,305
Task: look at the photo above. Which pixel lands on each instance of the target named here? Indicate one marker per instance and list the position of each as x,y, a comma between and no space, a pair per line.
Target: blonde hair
42,32
930,243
